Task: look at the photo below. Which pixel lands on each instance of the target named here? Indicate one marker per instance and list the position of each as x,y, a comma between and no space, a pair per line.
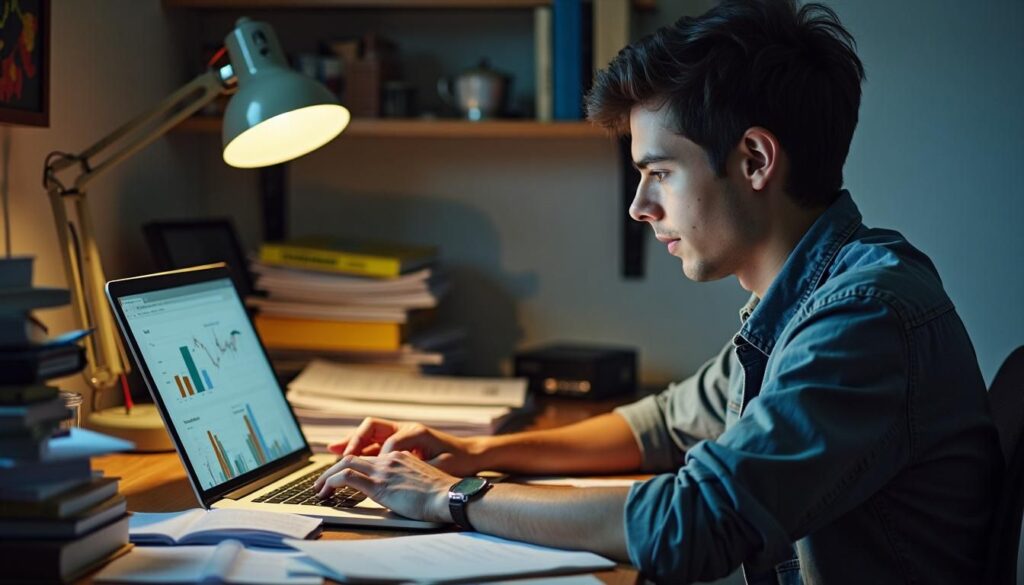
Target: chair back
1006,400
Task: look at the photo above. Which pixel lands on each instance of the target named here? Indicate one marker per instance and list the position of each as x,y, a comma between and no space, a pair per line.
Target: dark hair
747,63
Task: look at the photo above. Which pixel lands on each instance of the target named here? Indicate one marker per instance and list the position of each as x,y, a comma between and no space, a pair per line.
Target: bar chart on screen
232,462
211,374
195,379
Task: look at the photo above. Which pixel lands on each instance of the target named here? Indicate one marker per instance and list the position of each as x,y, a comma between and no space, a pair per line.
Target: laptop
214,387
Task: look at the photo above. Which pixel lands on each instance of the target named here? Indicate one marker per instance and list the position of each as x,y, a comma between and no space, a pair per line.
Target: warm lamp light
276,115
293,134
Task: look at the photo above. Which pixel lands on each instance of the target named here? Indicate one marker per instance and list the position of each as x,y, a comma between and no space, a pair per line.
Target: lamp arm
83,270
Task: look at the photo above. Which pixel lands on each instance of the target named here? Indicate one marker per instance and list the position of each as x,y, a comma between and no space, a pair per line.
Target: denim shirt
842,436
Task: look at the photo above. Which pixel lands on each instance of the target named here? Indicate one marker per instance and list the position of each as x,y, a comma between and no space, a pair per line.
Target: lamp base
142,426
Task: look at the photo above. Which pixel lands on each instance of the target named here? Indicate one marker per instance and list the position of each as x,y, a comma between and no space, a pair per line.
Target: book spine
611,30
542,62
330,261
309,334
567,62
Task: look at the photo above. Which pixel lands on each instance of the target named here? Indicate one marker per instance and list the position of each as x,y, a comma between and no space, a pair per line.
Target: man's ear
761,155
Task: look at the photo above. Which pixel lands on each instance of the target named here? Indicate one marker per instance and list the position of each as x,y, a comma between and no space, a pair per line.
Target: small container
73,402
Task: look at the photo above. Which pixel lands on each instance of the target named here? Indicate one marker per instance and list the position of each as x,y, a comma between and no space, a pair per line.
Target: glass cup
73,402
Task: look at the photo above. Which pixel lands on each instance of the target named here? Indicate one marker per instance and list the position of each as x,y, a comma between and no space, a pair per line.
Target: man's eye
659,176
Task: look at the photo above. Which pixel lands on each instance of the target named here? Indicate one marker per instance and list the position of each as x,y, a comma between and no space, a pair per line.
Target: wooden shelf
400,128
292,4
425,4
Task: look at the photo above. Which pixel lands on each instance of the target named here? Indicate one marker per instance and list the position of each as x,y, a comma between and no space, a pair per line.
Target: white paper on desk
439,558
570,580
427,413
581,482
228,562
309,416
338,381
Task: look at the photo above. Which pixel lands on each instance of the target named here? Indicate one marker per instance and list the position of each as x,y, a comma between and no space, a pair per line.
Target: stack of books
350,301
57,518
27,354
330,400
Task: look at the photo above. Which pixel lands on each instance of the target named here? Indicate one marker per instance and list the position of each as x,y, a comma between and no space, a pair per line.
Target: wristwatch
461,493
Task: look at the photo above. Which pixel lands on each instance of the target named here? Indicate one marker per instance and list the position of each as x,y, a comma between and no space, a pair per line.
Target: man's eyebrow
649,160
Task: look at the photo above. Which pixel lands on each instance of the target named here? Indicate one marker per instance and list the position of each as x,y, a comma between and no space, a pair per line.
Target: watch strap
458,502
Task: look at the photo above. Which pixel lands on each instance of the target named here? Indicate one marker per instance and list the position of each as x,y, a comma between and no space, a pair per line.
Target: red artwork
24,61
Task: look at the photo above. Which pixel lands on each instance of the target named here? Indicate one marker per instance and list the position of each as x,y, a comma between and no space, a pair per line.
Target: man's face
703,219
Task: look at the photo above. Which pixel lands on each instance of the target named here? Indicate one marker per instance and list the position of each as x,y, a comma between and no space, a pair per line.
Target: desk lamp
275,115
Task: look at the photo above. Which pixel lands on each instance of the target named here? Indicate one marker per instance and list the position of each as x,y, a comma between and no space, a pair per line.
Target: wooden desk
157,482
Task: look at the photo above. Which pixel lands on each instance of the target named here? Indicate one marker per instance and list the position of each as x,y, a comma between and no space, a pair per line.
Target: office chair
1006,400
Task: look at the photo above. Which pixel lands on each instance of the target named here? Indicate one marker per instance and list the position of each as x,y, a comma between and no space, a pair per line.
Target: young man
841,436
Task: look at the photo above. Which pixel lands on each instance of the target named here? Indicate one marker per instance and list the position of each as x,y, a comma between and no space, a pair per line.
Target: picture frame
25,62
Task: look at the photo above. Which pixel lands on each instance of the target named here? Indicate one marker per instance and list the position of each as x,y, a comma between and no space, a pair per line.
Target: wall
106,66
938,147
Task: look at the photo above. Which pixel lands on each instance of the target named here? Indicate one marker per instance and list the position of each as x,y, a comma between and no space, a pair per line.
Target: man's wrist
481,453
442,510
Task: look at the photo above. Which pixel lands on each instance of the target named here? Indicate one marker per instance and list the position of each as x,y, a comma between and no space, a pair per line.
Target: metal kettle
478,93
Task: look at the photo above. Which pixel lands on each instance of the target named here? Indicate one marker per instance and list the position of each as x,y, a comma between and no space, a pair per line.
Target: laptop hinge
264,481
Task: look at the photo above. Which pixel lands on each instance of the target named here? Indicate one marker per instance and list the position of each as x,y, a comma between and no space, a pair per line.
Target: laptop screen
216,384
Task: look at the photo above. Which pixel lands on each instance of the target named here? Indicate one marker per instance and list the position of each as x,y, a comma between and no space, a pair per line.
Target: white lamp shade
277,114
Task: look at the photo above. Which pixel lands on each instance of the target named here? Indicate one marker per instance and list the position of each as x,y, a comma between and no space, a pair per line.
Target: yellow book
361,258
313,334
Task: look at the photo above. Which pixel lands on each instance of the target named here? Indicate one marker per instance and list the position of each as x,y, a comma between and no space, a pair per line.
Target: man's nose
643,207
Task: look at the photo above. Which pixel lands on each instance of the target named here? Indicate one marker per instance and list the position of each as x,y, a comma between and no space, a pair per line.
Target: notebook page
227,520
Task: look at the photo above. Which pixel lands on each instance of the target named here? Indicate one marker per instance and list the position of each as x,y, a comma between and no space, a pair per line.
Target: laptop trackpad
368,503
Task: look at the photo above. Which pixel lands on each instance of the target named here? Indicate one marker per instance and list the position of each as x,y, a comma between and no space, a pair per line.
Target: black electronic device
580,370
193,242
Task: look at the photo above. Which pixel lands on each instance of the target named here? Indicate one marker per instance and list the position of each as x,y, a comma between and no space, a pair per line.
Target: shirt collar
800,276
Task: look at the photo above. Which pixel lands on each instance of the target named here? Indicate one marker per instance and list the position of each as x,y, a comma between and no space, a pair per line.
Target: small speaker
580,370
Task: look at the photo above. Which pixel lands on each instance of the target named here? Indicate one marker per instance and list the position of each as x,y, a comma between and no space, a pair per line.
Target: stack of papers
301,293
330,399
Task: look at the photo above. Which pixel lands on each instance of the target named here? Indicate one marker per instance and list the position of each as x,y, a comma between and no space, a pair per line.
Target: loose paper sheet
443,557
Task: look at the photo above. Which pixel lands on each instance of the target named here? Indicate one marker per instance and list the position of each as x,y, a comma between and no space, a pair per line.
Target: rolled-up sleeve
667,424
828,429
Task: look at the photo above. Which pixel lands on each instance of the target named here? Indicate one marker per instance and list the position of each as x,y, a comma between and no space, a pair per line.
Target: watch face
469,486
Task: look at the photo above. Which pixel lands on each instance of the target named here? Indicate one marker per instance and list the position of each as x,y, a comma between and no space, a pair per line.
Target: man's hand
381,437
397,480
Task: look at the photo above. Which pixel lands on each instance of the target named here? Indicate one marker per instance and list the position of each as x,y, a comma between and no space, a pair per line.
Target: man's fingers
408,439
347,477
346,462
371,451
370,431
339,448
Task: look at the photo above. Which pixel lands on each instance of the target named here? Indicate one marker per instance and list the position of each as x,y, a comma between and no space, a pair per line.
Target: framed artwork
25,62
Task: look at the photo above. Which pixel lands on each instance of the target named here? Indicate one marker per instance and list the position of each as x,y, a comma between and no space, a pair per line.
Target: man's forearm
564,517
603,444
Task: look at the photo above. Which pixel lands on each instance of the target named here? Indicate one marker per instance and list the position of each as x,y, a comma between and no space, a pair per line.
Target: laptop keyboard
300,492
